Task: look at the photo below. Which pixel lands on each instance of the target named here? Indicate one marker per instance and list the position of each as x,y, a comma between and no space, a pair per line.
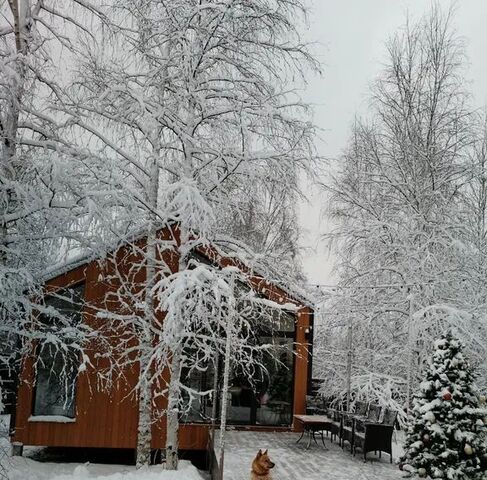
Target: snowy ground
294,462
25,468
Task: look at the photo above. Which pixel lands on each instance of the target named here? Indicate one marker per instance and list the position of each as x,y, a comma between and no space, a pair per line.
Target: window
56,369
264,399
198,407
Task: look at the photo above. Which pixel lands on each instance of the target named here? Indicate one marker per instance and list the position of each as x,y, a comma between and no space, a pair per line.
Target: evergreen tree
447,435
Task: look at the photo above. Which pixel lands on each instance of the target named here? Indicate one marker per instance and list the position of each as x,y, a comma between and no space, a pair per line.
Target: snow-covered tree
187,102
446,437
397,202
41,183
267,219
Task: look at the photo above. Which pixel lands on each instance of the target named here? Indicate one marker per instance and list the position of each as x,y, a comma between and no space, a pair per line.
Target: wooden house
96,418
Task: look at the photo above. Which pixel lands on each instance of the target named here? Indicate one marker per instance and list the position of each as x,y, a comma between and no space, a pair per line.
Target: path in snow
294,462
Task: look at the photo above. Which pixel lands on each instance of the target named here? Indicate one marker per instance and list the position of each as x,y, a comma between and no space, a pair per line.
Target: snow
25,468
292,462
28,469
295,462
429,416
51,418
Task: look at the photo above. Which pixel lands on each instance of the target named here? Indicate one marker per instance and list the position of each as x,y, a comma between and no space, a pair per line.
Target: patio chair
335,425
347,430
348,422
315,405
360,409
373,416
375,436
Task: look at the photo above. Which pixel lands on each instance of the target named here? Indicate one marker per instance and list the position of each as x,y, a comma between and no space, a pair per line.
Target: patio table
311,425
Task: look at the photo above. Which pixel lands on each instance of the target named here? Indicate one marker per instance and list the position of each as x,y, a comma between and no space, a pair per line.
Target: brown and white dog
261,467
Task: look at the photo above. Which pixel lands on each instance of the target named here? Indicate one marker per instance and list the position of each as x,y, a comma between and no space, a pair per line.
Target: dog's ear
259,454
265,453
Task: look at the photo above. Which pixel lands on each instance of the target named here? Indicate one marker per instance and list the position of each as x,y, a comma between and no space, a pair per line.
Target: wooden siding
103,419
108,418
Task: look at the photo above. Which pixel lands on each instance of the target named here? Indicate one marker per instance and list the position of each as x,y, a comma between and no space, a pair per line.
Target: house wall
103,419
108,417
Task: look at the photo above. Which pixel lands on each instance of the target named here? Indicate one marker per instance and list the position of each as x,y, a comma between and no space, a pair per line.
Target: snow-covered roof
231,247
75,258
228,247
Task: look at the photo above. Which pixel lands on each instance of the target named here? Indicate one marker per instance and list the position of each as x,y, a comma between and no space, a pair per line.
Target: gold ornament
468,449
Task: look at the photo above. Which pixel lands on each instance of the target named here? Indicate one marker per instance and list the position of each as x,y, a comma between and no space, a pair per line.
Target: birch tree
185,99
39,201
398,202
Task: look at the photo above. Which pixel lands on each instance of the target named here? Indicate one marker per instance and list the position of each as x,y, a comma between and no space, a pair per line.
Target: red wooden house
97,418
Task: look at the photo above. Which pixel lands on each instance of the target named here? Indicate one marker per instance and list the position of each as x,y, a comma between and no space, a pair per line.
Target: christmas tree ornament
446,395
422,472
468,449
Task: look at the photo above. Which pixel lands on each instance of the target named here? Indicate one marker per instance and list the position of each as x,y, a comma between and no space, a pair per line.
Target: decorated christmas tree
446,437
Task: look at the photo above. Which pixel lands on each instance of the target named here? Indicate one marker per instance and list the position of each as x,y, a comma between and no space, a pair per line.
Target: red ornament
446,395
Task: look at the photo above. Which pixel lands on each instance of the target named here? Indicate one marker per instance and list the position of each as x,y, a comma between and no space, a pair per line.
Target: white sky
351,36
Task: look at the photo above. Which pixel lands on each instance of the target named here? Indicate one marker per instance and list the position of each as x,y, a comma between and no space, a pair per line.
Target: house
94,417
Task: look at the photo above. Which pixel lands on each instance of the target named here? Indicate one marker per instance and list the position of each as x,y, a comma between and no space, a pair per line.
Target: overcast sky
351,36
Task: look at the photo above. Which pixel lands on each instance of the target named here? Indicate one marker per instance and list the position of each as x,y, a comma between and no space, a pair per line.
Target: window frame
73,407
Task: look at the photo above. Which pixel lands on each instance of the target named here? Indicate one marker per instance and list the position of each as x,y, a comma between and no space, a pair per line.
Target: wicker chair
349,420
360,410
348,430
335,425
375,436
315,405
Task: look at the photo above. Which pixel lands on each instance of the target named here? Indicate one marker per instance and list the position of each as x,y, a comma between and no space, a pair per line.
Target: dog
261,467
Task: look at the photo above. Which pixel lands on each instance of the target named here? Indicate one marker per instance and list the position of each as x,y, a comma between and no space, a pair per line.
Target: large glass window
274,406
198,407
266,398
56,368
257,395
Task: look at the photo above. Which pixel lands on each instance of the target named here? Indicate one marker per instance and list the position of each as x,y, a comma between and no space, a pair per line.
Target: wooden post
17,449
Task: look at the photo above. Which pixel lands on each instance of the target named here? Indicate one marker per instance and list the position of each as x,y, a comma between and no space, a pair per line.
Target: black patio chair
335,425
315,405
360,410
349,420
375,436
347,430
373,416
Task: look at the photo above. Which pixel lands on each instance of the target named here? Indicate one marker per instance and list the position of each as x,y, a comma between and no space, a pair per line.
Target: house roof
226,246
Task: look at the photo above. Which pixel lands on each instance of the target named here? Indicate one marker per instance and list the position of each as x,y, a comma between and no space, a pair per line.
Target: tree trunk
9,125
172,430
409,354
224,400
144,435
349,361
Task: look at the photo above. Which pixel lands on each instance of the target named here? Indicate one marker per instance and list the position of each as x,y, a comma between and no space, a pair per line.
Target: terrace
293,461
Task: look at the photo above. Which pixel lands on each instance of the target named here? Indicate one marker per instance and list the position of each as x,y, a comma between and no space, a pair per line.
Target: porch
293,461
